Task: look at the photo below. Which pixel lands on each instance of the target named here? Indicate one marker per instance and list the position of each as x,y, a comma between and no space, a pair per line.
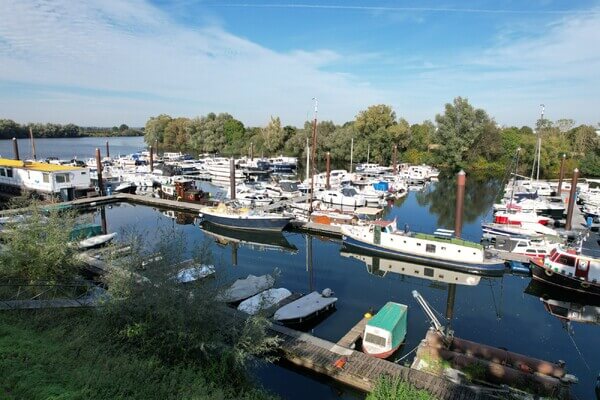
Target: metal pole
561,176
251,152
16,149
107,150
99,168
232,178
32,143
394,155
312,159
151,159
460,200
327,185
572,195
351,152
368,152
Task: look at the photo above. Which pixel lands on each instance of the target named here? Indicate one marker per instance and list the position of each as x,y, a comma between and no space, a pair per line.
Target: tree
458,129
583,139
123,127
176,134
273,136
421,135
564,125
155,128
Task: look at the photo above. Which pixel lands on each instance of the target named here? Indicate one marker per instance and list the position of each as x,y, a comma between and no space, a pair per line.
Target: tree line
10,129
462,136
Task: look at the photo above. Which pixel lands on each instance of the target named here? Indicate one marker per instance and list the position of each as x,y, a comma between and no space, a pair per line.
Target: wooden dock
6,305
351,337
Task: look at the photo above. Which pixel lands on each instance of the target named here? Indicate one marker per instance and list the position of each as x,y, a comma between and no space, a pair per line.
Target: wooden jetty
6,305
351,337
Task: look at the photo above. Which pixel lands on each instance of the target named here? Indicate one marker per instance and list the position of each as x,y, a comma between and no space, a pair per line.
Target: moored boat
306,307
264,300
195,273
96,241
244,218
242,289
385,331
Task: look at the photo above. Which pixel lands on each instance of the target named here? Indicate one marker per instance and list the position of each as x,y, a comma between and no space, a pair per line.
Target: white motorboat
346,197
242,289
306,307
96,241
264,300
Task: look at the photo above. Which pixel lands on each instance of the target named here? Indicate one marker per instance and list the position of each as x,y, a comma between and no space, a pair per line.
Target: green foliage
38,249
475,371
590,165
394,389
60,355
10,129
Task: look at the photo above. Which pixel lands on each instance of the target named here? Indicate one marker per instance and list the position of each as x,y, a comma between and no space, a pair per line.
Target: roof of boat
37,166
389,316
368,211
381,222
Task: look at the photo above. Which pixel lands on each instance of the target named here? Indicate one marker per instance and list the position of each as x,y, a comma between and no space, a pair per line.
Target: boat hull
496,269
247,224
541,273
384,355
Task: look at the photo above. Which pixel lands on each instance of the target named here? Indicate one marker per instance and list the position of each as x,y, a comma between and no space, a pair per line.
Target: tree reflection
441,199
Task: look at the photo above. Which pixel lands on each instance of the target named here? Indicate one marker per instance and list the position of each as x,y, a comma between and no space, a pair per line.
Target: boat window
375,339
566,260
9,172
418,244
46,178
522,245
583,265
62,178
2,172
443,248
428,272
430,248
530,251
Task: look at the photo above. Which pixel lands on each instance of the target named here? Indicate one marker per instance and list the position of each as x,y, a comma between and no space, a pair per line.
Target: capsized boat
244,218
441,249
242,289
195,273
96,241
306,307
385,331
264,300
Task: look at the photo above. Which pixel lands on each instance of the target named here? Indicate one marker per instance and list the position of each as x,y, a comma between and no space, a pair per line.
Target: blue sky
104,62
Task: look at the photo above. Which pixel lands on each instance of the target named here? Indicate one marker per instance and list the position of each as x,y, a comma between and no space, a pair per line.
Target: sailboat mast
307,159
351,152
540,145
312,158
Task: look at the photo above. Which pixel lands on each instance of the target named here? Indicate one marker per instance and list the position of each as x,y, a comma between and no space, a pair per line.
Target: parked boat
244,218
264,300
96,241
306,307
441,249
242,289
126,187
386,330
195,273
568,269
345,197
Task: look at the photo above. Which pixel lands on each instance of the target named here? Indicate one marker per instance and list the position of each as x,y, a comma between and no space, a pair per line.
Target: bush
393,389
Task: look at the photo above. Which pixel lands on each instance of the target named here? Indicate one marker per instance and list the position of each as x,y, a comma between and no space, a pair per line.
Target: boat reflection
565,305
381,266
254,240
180,218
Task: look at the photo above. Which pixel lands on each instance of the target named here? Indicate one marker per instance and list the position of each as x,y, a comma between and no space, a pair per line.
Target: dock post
561,176
103,220
461,179
232,178
151,159
234,254
16,149
572,195
450,301
251,151
107,150
394,162
328,186
32,143
99,168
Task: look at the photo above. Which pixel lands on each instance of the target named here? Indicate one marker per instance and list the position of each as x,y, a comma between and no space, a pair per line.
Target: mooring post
103,220
32,143
16,149
234,254
572,195
99,168
251,151
328,171
561,176
151,159
232,178
394,163
107,150
461,179
450,301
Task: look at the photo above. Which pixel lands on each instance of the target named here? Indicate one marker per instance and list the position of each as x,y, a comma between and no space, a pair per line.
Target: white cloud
130,46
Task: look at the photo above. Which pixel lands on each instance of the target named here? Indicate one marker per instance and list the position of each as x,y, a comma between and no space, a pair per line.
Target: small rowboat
96,241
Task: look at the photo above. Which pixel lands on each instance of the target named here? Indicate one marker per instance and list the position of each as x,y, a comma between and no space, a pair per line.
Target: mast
351,152
540,145
312,158
368,151
307,159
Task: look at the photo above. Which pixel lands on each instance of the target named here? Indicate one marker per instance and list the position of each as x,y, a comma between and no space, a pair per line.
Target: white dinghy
194,273
306,307
95,241
264,300
245,288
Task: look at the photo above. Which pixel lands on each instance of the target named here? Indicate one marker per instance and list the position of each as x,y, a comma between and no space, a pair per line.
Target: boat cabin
571,264
385,332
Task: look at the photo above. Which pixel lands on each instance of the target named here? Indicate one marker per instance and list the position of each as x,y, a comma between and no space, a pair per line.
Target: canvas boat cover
304,306
244,288
263,300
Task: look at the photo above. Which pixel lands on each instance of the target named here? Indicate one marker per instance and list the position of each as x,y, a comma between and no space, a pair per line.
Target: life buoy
97,189
548,271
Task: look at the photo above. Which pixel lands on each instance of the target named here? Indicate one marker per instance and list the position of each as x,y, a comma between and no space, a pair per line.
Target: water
68,148
495,312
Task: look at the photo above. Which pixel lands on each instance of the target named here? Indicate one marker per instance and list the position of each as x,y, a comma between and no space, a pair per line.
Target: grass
55,355
394,389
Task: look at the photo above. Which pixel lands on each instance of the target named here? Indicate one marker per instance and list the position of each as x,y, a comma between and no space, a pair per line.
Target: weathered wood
350,338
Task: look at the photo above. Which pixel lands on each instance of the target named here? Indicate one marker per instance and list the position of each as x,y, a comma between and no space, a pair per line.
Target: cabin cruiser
283,164
441,249
520,217
242,218
533,248
346,197
536,205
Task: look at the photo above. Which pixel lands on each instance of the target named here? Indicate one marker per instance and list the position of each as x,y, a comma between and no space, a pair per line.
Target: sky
107,62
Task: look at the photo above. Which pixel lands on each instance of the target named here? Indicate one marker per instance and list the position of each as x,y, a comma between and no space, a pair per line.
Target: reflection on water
260,241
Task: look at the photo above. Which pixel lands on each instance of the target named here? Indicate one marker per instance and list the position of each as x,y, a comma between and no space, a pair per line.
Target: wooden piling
32,143
562,175
450,301
107,150
103,220
16,149
151,159
394,159
461,179
251,151
232,178
572,195
328,186
99,168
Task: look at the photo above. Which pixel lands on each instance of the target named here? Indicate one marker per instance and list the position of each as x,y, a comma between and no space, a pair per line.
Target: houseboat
385,331
441,249
45,179
568,269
